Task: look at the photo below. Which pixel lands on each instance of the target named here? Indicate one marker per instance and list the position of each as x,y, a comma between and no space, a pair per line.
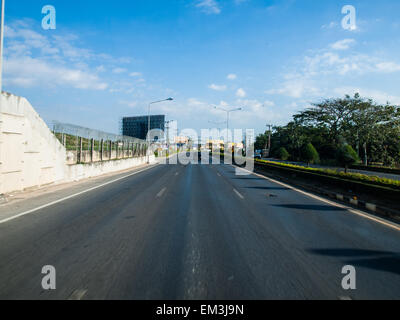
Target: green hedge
377,169
384,182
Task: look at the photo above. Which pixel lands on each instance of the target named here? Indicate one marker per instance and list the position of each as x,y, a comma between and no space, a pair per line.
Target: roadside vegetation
384,182
340,132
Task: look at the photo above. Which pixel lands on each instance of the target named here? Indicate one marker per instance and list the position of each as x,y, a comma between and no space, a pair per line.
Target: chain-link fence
86,145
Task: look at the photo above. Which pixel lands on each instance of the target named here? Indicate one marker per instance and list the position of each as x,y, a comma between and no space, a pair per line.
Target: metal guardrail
87,133
85,145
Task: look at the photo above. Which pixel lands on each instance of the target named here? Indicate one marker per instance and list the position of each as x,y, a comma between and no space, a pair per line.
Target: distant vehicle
257,156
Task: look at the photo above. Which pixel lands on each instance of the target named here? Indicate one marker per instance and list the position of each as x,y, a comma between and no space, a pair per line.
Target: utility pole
268,147
168,127
228,112
149,125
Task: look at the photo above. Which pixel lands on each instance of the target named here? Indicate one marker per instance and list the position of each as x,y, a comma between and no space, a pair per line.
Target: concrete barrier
89,170
31,156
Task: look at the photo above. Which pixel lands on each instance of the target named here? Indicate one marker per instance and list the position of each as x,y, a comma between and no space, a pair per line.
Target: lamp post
148,127
228,112
217,123
167,127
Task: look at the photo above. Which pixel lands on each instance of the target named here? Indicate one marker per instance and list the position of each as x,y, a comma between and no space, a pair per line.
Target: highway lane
197,232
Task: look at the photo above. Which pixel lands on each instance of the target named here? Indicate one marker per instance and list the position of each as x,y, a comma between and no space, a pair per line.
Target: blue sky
108,59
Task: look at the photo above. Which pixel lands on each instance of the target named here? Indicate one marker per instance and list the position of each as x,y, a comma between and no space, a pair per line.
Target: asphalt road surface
197,232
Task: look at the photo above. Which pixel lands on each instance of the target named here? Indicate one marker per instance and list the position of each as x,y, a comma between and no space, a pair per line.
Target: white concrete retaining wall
31,156
83,171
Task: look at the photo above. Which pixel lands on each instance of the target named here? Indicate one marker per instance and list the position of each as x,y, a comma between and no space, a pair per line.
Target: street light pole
149,123
1,44
167,127
228,112
218,128
217,124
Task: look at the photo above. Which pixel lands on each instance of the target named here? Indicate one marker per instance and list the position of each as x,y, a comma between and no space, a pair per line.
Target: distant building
137,127
181,140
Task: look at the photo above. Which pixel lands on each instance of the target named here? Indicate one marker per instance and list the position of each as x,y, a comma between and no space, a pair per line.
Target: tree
261,141
310,154
332,114
373,129
346,156
283,154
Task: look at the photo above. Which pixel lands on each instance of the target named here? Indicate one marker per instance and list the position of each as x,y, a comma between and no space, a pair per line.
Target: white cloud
269,103
315,73
209,6
31,72
241,93
388,67
130,104
101,69
330,25
376,95
343,44
34,59
255,111
296,88
232,76
119,70
135,74
217,87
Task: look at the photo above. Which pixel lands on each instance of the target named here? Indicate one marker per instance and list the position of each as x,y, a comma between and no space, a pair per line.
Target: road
196,232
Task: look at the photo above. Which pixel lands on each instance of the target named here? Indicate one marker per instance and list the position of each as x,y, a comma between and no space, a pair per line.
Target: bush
309,154
346,156
283,154
384,182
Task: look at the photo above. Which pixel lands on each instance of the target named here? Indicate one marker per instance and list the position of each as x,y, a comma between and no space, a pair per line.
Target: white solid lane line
238,194
78,294
160,194
335,204
71,196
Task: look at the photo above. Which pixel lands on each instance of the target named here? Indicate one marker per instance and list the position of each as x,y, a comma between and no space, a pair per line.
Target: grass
384,182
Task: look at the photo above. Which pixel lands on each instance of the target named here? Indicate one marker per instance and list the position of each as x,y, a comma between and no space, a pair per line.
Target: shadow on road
268,188
376,260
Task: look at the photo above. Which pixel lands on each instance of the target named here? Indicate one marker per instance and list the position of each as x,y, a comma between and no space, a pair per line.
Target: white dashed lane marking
160,194
238,194
78,294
